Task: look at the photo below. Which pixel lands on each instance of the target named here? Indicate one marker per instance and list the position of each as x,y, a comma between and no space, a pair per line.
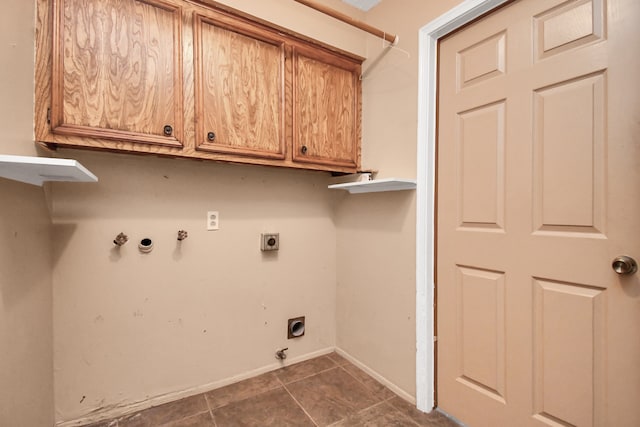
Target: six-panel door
538,191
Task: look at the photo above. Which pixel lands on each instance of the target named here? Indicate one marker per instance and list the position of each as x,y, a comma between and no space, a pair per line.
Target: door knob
624,265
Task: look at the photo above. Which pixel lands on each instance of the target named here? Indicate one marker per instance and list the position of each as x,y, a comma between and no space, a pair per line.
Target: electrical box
270,241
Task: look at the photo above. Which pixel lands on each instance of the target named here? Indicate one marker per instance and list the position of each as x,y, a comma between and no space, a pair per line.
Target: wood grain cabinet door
240,85
326,113
117,70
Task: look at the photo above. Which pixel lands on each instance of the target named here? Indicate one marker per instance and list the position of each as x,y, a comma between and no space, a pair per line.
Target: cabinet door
117,70
326,110
239,89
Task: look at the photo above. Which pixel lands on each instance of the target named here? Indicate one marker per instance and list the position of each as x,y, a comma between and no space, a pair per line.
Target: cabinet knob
304,149
211,136
168,130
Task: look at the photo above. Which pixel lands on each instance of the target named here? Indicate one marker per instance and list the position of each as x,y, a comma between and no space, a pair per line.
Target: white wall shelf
376,185
37,170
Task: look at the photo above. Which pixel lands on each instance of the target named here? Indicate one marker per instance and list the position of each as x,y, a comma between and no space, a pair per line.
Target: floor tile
382,415
166,413
274,408
331,396
109,423
242,390
304,369
329,388
134,420
369,382
202,420
338,359
432,419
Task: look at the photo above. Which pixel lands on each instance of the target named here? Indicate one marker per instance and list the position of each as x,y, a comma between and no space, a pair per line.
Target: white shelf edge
37,170
376,185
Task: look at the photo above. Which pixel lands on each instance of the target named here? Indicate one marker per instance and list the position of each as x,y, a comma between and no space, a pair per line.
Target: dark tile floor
325,391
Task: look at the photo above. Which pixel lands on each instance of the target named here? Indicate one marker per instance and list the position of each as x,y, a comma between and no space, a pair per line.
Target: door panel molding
481,173
584,98
480,294
555,346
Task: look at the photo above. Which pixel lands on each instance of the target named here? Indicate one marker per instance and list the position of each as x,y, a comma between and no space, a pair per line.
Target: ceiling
362,4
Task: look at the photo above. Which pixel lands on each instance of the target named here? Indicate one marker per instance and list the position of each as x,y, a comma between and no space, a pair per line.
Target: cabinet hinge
48,116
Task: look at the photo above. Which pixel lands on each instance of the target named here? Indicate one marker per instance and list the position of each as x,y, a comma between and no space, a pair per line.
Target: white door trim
460,15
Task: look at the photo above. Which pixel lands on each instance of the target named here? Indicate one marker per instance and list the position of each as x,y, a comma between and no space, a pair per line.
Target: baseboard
120,410
394,388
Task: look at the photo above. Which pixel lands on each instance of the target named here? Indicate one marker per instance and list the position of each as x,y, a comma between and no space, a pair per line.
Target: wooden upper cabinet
240,84
117,70
195,79
326,109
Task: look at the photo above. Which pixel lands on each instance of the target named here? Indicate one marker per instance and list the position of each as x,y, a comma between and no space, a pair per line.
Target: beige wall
130,327
376,232
26,356
17,33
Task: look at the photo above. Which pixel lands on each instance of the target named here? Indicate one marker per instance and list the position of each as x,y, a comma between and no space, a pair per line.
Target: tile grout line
382,402
371,392
394,407
309,376
168,423
370,407
406,416
213,418
342,363
363,384
298,403
341,368
245,398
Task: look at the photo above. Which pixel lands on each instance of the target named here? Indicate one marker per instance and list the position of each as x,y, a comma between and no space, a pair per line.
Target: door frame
429,35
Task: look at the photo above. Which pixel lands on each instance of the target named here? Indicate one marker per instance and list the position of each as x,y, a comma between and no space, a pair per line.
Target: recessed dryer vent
295,327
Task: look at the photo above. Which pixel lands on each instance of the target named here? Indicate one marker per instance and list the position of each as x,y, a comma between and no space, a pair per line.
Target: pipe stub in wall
145,245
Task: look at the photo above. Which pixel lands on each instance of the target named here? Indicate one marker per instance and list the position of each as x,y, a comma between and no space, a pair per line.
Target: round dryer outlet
295,327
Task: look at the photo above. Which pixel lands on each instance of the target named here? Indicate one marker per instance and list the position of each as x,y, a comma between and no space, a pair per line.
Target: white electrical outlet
213,220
